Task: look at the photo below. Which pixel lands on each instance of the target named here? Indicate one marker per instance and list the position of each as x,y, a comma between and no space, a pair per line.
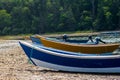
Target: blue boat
70,61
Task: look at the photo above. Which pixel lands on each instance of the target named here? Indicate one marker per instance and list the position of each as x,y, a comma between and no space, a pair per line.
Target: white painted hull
75,69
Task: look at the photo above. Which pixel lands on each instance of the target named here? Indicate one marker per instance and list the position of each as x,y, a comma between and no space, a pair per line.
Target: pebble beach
14,65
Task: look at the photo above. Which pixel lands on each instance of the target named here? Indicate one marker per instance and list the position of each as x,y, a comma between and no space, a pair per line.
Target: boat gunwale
71,56
80,45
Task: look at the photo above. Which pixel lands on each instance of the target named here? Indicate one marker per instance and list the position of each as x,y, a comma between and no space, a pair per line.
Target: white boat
70,61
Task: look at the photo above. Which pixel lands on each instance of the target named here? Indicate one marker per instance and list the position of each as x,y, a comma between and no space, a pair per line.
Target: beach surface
14,65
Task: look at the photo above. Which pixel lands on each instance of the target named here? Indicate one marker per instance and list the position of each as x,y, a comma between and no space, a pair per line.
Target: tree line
46,16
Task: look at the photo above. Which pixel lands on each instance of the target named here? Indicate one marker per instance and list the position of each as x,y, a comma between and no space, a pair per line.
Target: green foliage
5,22
46,16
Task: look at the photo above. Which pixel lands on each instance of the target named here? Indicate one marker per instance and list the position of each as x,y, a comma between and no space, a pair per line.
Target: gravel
14,65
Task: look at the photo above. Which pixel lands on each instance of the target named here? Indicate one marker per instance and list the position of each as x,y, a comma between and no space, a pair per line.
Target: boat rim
71,56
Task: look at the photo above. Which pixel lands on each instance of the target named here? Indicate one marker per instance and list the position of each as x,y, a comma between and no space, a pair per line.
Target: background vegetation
41,16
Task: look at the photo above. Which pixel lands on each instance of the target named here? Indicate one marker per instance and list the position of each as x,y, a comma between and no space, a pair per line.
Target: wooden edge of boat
83,48
90,45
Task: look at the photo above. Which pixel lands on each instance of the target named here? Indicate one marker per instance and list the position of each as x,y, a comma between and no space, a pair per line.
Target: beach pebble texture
14,65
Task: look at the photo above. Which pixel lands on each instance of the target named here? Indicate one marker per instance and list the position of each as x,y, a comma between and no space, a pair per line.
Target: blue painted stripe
72,62
77,41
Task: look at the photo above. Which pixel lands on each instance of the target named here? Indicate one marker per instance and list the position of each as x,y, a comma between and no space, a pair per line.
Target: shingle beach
14,65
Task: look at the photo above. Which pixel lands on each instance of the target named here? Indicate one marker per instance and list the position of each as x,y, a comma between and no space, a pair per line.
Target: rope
31,52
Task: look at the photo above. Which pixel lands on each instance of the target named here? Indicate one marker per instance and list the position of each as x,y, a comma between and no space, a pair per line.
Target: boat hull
76,69
74,63
83,48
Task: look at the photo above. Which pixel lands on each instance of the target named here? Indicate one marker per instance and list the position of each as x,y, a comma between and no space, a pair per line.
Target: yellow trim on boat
83,48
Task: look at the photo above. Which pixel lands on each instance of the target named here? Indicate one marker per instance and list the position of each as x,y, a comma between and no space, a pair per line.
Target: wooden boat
60,40
83,48
42,56
37,40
